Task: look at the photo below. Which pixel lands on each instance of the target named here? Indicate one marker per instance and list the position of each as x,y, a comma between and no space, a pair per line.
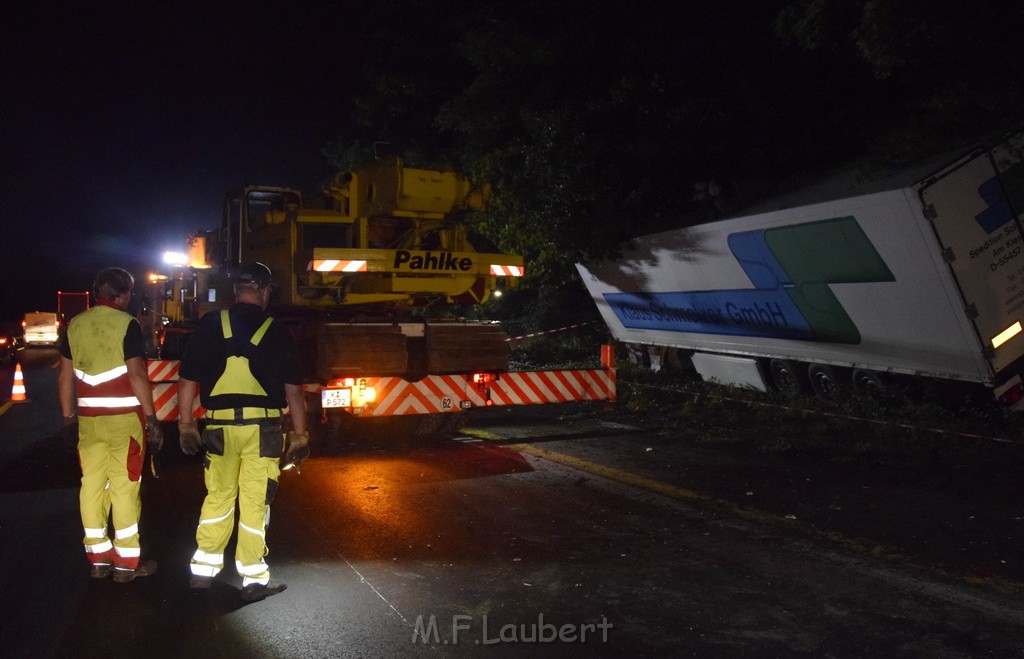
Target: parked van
40,328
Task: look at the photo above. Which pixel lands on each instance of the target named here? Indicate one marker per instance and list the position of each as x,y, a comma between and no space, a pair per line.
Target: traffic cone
18,390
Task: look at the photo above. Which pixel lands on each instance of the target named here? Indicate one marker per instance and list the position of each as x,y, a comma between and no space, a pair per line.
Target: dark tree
595,121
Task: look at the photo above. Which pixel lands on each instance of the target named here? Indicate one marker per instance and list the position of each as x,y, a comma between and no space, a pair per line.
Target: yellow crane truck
355,276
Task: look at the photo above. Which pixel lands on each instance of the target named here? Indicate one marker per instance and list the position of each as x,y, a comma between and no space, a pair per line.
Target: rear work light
1006,334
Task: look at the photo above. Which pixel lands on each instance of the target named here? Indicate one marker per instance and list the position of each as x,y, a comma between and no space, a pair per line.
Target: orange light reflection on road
396,503
375,491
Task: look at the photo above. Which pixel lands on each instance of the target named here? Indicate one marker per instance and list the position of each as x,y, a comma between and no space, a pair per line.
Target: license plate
335,398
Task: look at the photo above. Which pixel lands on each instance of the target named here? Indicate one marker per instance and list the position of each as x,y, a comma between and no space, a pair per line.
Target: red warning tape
550,331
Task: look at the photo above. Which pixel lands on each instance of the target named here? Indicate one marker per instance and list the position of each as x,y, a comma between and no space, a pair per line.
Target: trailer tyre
869,382
826,382
676,360
787,376
636,353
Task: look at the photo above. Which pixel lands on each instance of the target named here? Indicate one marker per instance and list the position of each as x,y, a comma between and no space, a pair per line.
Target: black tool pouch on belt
213,440
271,438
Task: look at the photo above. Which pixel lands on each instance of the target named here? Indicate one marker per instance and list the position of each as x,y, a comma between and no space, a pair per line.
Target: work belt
243,416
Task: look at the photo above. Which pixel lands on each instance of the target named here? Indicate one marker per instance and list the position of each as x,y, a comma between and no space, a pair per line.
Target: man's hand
190,440
68,432
154,434
298,449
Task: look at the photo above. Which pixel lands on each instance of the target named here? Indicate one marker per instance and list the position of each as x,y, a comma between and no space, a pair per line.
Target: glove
154,434
189,439
298,449
68,433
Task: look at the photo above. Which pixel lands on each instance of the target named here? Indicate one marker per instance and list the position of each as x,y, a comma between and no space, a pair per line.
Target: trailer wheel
787,376
636,353
869,382
826,382
676,360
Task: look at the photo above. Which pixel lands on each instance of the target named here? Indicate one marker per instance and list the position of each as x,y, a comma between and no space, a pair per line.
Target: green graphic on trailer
791,269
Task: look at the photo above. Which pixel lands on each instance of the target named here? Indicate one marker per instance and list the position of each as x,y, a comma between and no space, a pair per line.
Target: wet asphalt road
459,547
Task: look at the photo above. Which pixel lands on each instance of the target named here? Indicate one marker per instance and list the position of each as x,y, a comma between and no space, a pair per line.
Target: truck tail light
357,393
1012,395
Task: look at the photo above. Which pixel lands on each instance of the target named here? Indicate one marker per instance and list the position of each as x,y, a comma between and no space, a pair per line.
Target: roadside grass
942,428
579,349
932,475
906,426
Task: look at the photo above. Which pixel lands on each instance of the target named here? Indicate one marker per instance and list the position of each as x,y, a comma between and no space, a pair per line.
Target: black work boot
101,570
143,569
199,582
255,592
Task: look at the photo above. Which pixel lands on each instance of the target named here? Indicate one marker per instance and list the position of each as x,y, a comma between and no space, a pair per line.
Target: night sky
122,130
122,126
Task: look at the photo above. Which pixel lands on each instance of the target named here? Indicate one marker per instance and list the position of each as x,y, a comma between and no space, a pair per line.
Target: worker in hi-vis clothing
245,367
103,366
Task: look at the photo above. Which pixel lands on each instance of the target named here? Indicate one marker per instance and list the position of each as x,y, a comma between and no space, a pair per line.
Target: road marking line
644,483
482,434
634,480
853,543
6,406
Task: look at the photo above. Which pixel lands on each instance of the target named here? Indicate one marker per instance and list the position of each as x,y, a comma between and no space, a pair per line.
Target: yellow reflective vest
96,340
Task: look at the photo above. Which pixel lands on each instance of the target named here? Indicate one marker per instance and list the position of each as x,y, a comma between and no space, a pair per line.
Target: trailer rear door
979,231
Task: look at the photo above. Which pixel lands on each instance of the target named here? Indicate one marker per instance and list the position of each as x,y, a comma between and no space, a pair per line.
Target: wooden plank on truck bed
353,350
466,349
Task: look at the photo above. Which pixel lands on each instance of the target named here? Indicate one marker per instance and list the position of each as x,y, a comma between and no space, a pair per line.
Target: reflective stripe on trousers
240,473
111,453
205,564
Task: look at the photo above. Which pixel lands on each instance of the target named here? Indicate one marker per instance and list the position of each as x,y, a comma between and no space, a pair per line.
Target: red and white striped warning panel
163,370
500,270
431,395
536,387
337,265
434,394
446,393
165,402
163,378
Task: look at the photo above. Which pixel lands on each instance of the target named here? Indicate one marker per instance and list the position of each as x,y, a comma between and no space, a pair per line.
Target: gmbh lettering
791,268
441,261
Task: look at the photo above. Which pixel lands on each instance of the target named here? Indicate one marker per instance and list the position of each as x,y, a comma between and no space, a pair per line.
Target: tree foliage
595,120
952,70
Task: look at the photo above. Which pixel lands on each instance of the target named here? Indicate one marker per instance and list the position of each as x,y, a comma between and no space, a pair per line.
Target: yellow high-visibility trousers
111,451
241,464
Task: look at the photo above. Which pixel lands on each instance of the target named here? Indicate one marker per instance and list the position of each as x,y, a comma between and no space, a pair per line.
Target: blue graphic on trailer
737,313
791,268
999,211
